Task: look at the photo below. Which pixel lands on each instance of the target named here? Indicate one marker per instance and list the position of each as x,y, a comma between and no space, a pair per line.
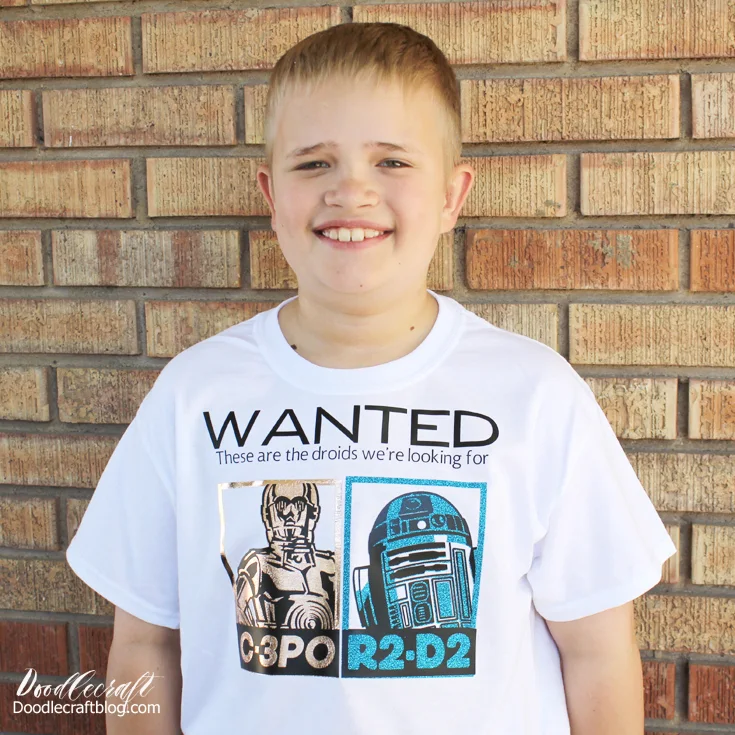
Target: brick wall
602,222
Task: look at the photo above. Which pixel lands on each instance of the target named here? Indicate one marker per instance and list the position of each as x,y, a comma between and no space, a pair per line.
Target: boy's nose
352,191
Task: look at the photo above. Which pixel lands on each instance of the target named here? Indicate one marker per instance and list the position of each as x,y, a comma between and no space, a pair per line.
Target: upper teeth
358,234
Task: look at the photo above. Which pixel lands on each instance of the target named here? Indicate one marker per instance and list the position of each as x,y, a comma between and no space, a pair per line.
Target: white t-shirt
370,550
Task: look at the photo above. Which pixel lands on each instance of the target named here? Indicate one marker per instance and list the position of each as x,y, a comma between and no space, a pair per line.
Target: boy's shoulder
227,351
514,353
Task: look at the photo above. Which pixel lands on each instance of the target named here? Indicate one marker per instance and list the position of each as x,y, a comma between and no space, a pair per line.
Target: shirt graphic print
384,584
285,592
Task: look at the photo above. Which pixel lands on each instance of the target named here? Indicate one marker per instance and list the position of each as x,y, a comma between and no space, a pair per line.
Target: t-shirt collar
298,371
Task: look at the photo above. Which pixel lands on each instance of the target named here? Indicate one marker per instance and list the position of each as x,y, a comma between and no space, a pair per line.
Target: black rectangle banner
414,652
289,651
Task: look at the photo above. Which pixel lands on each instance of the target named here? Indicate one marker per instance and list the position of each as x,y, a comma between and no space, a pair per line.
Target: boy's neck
337,338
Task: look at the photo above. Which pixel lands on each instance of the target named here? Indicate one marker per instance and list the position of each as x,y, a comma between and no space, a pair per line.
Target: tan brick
711,694
687,482
96,188
12,3
227,39
269,269
655,29
204,186
652,334
255,99
67,325
51,459
21,258
75,509
172,326
70,47
49,586
94,648
713,105
691,182
28,523
670,574
592,108
24,394
685,624
17,120
713,554
517,186
537,321
659,686
164,258
712,264
33,645
638,408
101,396
711,409
194,115
630,260
440,276
513,31
64,2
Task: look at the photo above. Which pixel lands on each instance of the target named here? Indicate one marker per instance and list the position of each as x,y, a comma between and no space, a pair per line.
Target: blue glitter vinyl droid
421,569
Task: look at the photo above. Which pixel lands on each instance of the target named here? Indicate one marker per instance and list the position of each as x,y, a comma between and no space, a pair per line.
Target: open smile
353,245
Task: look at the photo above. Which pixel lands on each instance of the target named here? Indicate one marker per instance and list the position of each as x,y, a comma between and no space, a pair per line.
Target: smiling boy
349,158
281,537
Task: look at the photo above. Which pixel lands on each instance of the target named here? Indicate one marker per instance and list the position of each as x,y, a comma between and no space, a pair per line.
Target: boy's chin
353,285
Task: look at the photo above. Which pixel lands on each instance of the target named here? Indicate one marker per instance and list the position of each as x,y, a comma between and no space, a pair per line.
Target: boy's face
405,192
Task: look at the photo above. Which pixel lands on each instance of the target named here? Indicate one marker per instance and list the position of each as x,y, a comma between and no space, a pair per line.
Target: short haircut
373,52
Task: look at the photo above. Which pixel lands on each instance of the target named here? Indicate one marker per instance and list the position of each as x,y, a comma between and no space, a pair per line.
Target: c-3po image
421,567
289,583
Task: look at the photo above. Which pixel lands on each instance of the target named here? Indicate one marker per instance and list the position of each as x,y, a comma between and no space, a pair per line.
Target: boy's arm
601,667
139,647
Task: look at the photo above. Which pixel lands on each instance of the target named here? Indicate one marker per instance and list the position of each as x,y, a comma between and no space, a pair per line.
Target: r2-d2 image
422,568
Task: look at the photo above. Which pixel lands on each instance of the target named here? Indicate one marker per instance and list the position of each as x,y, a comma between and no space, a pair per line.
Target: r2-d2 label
441,652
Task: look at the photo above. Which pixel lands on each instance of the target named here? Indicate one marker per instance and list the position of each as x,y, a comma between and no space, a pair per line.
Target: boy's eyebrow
331,144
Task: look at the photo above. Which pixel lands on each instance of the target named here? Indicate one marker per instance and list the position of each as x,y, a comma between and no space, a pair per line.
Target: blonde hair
373,52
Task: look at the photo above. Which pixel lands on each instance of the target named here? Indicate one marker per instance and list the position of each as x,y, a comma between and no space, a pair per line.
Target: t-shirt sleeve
125,546
604,543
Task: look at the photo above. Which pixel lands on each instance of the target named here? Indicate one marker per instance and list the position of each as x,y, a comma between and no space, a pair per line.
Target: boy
367,510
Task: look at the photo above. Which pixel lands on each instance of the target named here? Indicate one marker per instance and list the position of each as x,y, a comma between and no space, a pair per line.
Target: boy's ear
460,183
265,182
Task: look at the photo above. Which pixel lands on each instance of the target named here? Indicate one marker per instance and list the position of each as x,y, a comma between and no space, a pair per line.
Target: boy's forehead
373,115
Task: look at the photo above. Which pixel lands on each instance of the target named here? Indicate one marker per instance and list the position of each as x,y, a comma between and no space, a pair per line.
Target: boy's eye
305,166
